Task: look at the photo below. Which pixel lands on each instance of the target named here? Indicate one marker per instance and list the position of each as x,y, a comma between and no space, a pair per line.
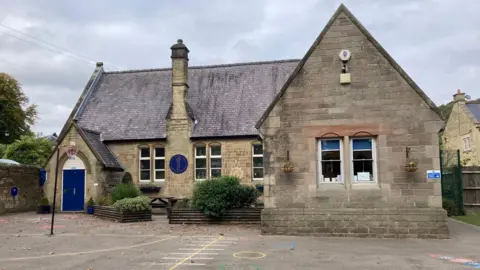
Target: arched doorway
73,185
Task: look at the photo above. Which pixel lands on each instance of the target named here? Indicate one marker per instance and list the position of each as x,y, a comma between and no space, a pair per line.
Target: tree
3,147
29,150
16,116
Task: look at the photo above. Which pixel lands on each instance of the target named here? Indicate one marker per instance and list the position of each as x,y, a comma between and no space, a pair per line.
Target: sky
437,42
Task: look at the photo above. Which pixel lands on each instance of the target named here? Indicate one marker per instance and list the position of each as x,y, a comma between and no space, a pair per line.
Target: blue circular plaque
14,191
178,164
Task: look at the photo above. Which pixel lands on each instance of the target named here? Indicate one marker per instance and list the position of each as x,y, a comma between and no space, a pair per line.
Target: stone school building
328,135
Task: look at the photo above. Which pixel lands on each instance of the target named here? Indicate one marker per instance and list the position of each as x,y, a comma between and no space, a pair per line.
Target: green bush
105,201
138,204
122,191
44,201
127,178
215,196
451,208
90,202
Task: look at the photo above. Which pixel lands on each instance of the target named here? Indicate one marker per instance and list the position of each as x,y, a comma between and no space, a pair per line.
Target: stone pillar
179,125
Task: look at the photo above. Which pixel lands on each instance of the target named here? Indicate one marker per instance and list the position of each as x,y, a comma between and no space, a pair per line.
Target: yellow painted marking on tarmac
261,255
86,252
195,253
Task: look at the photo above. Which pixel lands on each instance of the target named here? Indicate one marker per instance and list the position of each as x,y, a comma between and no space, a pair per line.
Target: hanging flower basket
410,166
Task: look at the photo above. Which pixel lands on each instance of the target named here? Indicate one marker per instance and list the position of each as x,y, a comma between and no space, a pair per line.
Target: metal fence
452,185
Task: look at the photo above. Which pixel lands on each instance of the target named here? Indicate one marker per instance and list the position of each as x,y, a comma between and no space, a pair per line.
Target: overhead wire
63,51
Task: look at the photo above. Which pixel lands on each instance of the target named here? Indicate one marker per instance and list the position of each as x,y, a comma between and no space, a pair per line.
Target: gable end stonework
348,145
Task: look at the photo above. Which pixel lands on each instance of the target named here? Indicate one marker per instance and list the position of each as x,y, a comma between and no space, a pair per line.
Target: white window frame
211,156
201,157
253,163
467,144
140,158
374,162
155,169
320,178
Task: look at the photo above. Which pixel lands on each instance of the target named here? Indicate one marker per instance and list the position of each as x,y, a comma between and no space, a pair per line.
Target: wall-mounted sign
433,175
14,191
178,164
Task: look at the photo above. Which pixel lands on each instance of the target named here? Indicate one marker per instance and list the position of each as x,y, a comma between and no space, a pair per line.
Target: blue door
73,190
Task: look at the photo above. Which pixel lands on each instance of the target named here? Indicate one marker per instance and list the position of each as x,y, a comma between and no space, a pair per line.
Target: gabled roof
224,100
100,150
474,108
340,10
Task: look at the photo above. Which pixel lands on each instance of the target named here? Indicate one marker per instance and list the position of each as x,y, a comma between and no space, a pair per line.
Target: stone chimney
459,97
179,80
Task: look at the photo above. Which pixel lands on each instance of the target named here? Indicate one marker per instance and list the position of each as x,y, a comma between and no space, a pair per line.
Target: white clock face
344,55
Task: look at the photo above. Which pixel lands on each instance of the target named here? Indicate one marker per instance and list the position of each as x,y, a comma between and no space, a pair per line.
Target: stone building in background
462,130
328,135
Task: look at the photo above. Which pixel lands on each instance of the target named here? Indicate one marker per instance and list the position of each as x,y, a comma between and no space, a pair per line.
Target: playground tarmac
85,242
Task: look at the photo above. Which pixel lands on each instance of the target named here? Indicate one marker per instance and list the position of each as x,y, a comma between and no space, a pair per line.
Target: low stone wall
382,223
27,180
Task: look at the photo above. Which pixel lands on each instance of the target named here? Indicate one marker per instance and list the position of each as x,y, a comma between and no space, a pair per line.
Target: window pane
200,173
258,162
330,155
200,163
145,175
216,172
216,150
331,169
216,163
257,149
362,154
159,152
145,164
362,167
330,144
358,144
201,151
160,175
258,173
159,164
145,152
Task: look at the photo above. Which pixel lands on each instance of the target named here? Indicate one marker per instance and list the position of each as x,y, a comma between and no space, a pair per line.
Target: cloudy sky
436,41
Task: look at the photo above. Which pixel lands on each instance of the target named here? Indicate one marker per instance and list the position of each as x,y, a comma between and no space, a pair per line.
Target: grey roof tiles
225,100
475,109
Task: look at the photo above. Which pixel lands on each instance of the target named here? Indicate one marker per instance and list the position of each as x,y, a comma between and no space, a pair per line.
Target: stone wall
460,125
27,180
378,103
236,161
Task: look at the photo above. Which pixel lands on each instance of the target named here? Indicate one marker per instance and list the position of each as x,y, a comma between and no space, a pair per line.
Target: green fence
451,170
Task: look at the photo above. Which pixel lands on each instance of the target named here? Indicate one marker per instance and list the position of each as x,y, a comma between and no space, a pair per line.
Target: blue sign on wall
178,164
14,191
433,174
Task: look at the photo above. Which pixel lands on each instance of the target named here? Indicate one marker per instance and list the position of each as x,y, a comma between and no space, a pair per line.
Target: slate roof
99,149
474,108
224,100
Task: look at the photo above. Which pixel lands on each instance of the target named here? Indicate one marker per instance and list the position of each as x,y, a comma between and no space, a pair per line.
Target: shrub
90,202
44,201
122,191
451,208
138,204
105,200
215,196
127,178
